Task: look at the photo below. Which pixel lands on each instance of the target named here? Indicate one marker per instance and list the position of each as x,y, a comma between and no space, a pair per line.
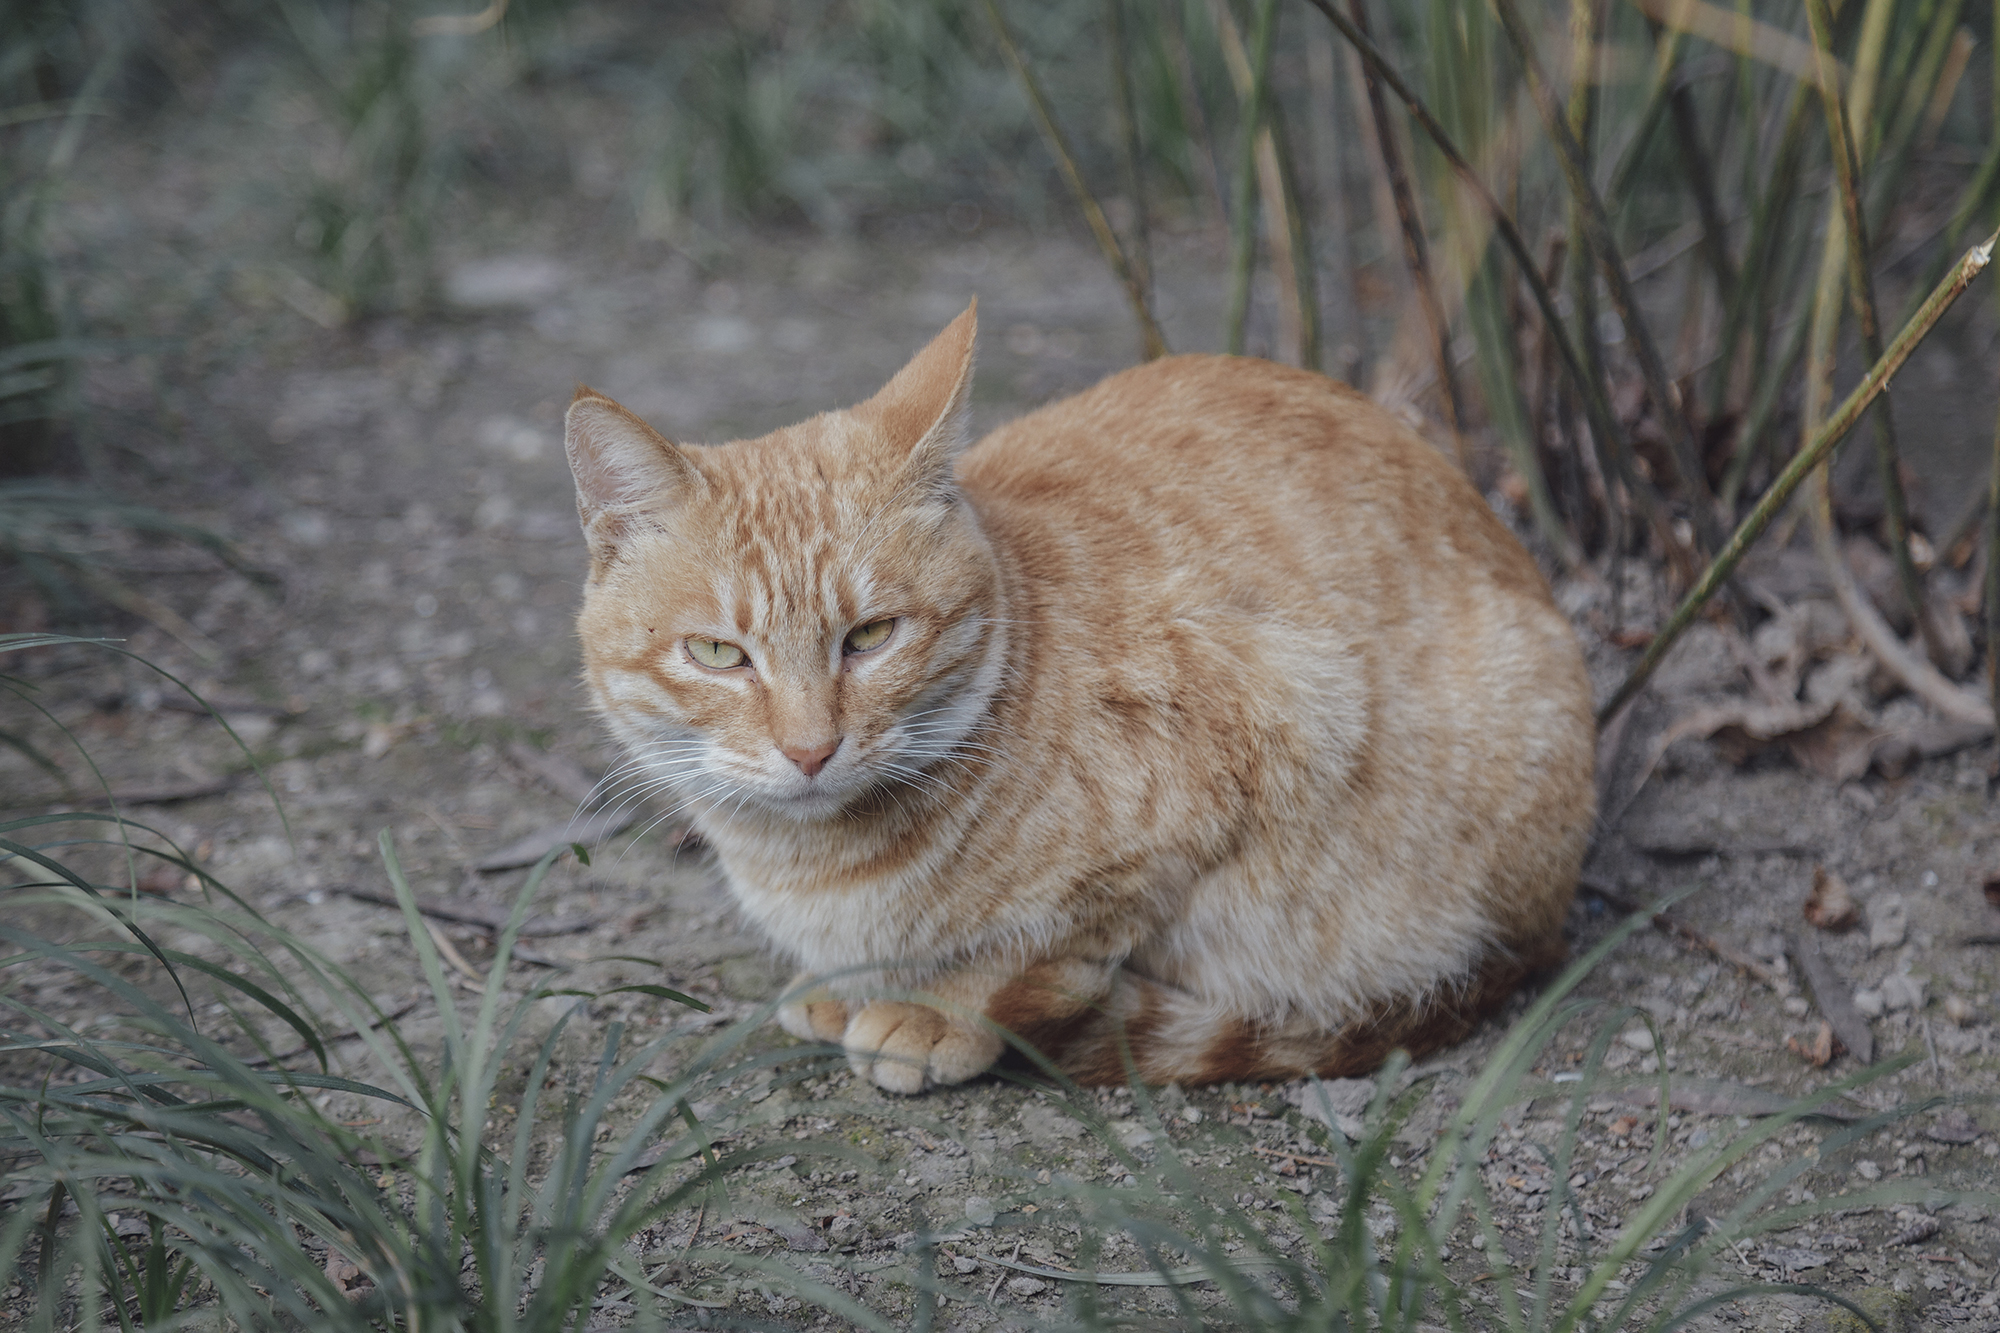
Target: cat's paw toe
814,1020
907,1047
890,1043
962,1053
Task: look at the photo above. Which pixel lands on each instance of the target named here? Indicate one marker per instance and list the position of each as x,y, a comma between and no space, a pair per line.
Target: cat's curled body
1208,715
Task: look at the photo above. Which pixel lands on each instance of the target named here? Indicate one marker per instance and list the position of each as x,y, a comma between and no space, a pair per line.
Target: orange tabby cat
1209,711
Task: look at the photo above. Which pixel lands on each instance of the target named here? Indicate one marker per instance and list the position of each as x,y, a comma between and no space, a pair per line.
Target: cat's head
788,623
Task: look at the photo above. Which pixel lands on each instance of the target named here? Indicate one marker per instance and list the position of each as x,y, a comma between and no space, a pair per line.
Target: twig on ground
388,1016
490,919
1832,995
1292,1156
1917,674
1681,930
450,953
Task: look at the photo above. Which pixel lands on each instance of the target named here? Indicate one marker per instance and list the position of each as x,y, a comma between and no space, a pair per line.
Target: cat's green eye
871,635
715,654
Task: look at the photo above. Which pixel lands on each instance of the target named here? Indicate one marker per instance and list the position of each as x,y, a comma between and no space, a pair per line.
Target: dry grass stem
1737,32
1416,251
1597,235
1847,170
1153,343
1253,96
1284,220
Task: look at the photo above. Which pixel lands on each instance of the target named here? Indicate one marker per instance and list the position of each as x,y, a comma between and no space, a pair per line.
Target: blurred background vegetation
1663,171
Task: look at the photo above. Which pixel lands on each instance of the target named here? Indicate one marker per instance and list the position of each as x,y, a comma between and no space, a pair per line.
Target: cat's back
1267,476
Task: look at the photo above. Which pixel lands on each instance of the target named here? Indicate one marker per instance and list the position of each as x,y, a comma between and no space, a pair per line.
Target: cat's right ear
625,471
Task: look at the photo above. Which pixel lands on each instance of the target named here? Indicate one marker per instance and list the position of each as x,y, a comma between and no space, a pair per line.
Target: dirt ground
414,669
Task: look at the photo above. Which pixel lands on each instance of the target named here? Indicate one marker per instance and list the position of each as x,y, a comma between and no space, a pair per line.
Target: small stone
1959,1010
1639,1039
1900,990
1888,921
1867,1170
1027,1286
979,1211
1954,1125
1796,1006
965,1264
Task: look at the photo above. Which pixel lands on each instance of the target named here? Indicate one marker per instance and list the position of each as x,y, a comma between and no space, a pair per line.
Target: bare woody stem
1847,168
1816,450
1416,253
1243,207
1597,235
1153,343
1596,402
1993,575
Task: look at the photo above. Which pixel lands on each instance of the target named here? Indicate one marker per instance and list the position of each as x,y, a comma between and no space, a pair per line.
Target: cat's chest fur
1214,671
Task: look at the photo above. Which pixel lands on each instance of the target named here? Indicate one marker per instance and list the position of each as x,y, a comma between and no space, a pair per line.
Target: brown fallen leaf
1820,1053
1830,738
1830,906
347,1278
1991,887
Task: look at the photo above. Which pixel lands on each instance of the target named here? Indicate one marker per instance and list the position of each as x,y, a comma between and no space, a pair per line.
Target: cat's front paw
904,1047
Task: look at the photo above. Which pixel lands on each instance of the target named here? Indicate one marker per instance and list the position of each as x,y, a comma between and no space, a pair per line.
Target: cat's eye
871,635
715,654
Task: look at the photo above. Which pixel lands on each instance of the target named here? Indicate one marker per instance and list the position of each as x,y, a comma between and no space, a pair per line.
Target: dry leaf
347,1278
1832,739
1830,906
1820,1053
1992,888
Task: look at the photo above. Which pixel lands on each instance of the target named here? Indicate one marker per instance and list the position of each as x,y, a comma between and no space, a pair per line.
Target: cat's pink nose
811,759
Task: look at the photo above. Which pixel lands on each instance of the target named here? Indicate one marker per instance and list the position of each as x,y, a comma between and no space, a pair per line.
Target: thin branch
1597,234
1993,573
1672,925
1130,148
1861,281
1243,210
1375,71
1284,218
1153,343
1822,443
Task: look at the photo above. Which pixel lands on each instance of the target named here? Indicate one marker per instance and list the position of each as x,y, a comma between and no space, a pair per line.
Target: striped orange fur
1208,716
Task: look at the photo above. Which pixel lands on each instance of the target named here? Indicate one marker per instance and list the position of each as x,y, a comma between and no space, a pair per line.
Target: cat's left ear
922,411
